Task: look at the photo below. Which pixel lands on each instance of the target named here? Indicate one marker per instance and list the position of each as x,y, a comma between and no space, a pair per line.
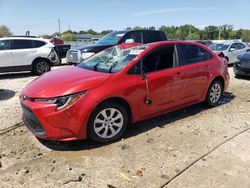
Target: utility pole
59,26
219,32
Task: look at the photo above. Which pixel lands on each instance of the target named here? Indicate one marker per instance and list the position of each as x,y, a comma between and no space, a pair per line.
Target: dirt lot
193,147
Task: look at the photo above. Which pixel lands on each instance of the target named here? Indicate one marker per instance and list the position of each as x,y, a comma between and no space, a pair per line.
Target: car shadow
138,128
243,77
15,75
6,94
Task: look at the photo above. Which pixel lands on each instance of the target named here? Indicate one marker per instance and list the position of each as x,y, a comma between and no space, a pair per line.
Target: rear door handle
33,51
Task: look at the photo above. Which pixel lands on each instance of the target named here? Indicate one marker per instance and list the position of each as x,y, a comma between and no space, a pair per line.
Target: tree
226,29
178,34
137,28
193,36
91,31
4,31
239,33
212,32
246,35
203,35
129,28
105,32
83,32
169,31
68,36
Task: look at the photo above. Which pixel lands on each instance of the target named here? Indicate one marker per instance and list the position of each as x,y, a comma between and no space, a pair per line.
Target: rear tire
108,122
214,93
41,66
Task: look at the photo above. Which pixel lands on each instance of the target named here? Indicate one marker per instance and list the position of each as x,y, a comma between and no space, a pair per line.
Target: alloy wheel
108,123
42,67
215,93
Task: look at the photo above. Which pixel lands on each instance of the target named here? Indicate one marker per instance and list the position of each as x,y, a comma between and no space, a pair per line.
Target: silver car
231,50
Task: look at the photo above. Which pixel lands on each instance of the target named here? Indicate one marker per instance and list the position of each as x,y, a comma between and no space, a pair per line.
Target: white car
26,54
231,50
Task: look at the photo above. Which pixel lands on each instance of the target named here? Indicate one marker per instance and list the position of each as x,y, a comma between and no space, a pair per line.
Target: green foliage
246,35
137,28
212,32
226,29
4,31
193,36
105,32
184,32
169,31
239,33
68,36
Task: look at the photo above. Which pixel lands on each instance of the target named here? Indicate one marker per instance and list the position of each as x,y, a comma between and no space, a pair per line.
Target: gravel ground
192,147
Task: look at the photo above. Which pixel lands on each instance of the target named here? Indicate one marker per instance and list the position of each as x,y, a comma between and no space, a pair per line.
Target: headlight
62,102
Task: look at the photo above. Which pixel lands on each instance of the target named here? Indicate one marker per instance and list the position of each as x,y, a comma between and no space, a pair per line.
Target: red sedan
102,95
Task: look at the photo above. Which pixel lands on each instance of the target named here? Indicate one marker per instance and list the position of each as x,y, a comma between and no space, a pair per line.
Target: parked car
61,50
26,54
118,86
231,50
242,65
81,53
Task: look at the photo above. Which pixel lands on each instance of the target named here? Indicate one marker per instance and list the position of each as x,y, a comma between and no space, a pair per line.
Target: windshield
219,47
111,38
112,59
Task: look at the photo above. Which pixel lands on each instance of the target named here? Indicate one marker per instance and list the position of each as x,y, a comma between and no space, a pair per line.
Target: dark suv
81,53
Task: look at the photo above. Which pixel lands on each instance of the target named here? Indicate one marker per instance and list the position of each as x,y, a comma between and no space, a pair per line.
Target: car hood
93,47
64,81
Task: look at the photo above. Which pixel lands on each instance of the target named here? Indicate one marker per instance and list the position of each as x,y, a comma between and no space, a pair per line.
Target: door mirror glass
232,49
129,41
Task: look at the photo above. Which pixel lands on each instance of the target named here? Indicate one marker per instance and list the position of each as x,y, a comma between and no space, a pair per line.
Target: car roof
24,38
175,42
228,42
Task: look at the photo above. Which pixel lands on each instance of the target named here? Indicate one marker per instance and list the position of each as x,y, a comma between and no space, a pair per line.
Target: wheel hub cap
108,123
215,93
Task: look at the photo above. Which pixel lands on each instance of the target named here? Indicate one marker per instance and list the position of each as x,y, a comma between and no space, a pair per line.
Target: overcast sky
40,16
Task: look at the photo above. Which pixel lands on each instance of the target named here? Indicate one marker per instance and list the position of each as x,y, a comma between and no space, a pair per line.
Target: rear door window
4,44
189,54
21,44
135,35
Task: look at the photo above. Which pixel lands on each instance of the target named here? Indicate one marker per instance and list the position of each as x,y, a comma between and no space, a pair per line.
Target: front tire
108,122
214,93
41,66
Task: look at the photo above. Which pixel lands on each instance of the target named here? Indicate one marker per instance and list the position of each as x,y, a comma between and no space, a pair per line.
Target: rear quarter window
152,36
189,54
38,43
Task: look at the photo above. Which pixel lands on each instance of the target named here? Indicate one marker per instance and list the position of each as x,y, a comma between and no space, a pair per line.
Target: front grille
32,122
73,56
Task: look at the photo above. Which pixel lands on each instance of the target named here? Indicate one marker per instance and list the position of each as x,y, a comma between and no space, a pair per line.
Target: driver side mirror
129,41
232,49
